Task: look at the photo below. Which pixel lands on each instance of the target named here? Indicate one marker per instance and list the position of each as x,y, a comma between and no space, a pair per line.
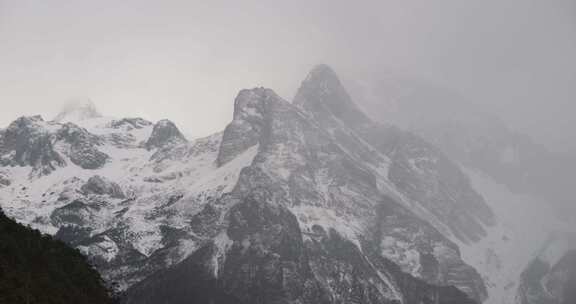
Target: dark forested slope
35,268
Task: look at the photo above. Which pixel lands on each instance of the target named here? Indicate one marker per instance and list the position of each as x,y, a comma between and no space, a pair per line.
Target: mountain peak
321,71
322,93
77,110
251,107
164,132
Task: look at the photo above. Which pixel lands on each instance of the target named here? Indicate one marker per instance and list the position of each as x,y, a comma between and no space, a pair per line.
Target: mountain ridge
310,198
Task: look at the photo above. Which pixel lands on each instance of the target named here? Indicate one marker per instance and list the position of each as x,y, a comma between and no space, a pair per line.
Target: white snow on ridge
149,184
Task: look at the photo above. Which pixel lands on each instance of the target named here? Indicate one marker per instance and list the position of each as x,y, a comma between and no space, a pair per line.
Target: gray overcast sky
186,60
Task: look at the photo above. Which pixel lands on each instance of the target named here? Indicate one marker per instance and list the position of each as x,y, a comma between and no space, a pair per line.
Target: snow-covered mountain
309,201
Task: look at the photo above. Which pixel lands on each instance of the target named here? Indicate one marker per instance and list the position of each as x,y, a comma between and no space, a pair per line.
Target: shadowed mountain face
46,146
303,202
269,261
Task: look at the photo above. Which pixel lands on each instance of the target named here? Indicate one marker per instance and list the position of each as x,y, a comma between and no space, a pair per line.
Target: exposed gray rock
163,134
101,186
83,146
396,224
30,141
129,124
26,142
76,213
4,180
244,130
73,234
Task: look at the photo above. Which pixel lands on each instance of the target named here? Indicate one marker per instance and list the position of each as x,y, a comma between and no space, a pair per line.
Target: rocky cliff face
244,130
304,202
28,142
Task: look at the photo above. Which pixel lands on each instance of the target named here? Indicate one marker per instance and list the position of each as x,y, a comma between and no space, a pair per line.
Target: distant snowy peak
77,110
48,145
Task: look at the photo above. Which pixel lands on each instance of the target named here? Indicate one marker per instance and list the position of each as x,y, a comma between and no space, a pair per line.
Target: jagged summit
26,122
247,101
77,110
250,107
164,132
322,93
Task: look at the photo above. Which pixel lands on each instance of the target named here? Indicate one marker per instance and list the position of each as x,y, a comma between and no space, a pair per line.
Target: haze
186,60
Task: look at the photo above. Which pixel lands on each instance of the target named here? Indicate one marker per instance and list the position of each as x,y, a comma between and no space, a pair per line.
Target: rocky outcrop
31,141
28,142
76,213
4,180
164,133
244,130
129,124
83,150
101,186
421,250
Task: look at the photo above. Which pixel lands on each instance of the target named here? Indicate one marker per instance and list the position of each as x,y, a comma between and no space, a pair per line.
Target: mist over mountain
511,57
294,152
475,137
